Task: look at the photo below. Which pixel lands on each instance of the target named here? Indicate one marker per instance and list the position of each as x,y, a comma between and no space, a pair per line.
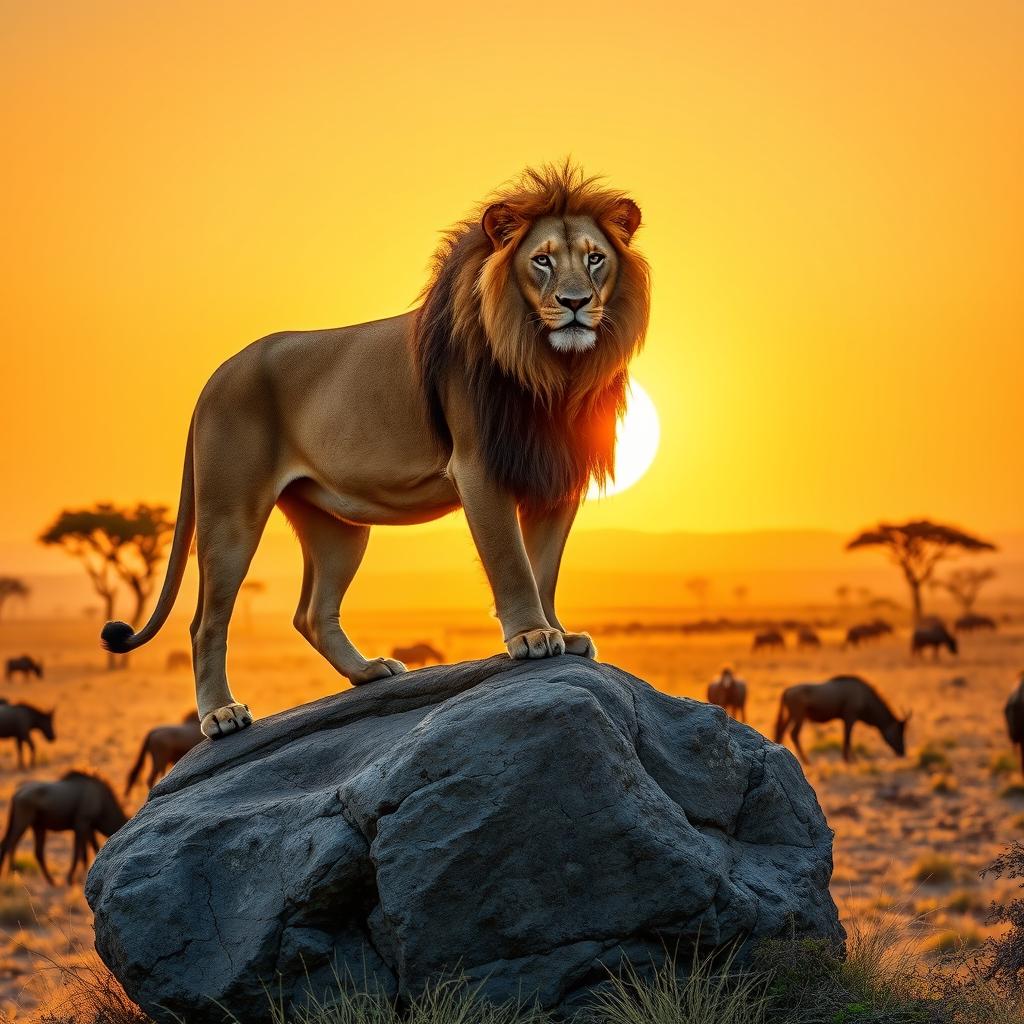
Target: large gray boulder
527,823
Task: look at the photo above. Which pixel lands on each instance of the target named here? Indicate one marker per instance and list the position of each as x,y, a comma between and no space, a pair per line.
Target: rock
527,823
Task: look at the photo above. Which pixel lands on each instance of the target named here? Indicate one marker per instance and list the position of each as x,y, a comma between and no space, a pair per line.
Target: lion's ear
499,222
626,217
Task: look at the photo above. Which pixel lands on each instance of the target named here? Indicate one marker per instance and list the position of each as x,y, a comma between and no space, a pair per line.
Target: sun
636,444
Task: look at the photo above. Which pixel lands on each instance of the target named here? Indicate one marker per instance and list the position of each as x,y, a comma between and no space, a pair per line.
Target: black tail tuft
116,637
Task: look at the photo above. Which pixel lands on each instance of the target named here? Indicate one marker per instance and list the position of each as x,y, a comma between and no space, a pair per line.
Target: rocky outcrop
527,823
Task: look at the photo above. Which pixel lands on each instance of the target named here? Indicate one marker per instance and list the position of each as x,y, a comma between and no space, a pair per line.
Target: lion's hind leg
331,552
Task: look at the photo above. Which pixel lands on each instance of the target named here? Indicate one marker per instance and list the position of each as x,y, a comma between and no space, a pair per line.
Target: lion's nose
570,303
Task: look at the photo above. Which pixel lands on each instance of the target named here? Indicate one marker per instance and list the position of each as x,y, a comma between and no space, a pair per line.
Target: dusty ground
912,834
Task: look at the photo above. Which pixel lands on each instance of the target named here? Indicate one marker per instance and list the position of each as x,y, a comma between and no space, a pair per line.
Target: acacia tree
964,585
115,545
917,547
12,586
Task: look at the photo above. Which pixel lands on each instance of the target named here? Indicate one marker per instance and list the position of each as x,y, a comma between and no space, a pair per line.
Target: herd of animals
87,806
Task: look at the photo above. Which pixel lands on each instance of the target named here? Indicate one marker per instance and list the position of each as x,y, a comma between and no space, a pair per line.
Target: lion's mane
547,419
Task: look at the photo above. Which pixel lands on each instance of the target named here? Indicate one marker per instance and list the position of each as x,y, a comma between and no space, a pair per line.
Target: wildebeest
1014,712
26,665
862,631
417,654
730,693
177,660
932,633
848,698
79,803
768,639
972,621
166,745
806,637
17,721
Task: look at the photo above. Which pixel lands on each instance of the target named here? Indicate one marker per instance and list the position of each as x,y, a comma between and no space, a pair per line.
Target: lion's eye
595,259
542,260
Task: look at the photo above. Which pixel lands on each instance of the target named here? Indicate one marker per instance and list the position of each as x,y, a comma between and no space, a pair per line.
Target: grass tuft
935,869
714,991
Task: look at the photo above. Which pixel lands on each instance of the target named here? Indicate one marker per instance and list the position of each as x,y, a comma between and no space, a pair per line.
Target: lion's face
566,269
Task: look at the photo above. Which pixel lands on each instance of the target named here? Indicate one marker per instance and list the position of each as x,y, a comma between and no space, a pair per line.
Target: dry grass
903,815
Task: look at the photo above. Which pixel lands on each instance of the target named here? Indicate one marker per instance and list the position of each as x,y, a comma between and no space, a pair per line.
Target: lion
500,394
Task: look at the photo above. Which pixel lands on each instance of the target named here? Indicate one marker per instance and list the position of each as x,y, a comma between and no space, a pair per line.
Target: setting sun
637,444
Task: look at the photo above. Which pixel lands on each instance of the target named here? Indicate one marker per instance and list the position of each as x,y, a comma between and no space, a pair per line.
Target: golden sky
831,193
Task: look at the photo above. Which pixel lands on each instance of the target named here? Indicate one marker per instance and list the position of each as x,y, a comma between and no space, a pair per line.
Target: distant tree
115,545
917,547
843,593
741,592
12,586
248,591
964,585
700,588
147,532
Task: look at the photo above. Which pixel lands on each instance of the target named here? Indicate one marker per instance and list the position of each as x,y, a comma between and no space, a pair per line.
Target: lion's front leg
491,513
544,534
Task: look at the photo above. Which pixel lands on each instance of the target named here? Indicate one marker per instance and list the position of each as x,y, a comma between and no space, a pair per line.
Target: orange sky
832,201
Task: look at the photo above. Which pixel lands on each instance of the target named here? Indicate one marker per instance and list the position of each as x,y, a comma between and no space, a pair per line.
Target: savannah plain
913,834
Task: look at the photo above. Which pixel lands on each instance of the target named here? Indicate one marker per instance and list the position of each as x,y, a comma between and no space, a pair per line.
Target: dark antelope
79,803
417,654
166,745
848,698
730,693
1014,712
770,639
17,721
932,633
25,665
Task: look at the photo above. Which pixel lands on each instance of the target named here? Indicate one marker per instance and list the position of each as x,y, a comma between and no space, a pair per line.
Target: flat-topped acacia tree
115,544
12,587
917,547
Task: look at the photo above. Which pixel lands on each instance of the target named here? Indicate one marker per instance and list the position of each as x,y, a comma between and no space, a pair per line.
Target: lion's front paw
537,643
377,668
226,720
581,644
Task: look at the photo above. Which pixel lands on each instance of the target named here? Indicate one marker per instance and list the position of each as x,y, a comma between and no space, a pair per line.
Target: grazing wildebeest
26,665
1014,712
932,633
769,639
806,637
730,693
849,698
862,631
17,722
971,621
177,660
166,745
417,654
79,803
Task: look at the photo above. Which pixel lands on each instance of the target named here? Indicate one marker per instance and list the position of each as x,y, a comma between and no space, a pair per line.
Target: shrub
932,758
934,870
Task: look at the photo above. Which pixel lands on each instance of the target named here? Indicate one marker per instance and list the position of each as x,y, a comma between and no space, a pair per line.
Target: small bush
945,785
1002,764
1015,791
934,870
931,758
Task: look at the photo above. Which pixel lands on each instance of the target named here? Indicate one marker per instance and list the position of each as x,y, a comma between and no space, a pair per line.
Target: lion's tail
119,637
